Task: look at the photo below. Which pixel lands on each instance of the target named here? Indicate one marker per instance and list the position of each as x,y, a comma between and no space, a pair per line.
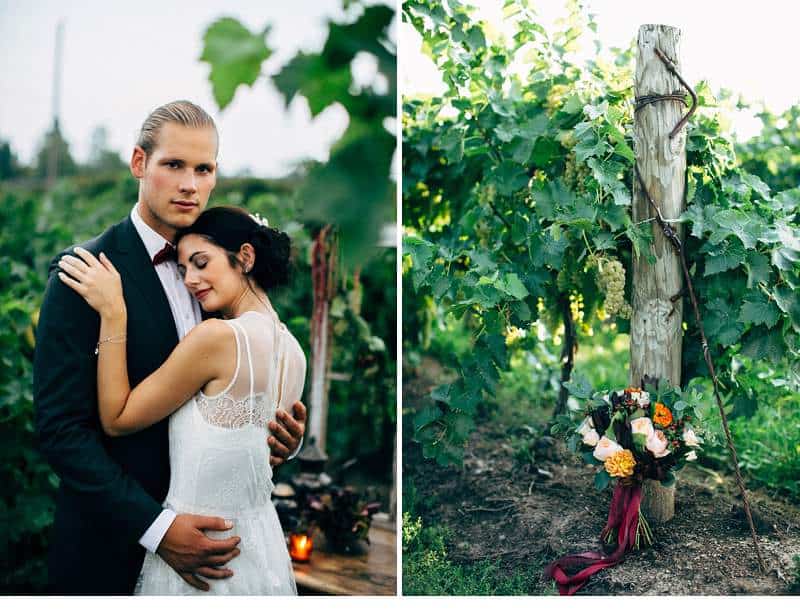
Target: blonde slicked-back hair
181,112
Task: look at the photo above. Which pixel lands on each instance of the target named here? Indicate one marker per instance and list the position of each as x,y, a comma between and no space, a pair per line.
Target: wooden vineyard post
656,332
323,265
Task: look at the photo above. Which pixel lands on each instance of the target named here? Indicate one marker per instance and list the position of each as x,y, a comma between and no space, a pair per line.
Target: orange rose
662,415
620,464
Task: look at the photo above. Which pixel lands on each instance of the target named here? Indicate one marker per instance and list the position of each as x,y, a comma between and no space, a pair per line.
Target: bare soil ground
530,514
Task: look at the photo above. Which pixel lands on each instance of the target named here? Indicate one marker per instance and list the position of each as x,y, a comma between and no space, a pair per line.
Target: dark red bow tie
167,253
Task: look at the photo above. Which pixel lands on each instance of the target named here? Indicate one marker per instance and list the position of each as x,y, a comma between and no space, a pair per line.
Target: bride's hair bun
230,227
273,250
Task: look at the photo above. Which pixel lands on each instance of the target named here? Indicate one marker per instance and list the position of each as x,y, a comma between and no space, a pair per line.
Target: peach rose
605,448
658,444
642,425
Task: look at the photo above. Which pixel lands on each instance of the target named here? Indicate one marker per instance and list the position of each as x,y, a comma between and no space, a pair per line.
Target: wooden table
374,573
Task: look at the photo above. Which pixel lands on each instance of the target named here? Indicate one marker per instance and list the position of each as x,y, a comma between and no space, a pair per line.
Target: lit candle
300,546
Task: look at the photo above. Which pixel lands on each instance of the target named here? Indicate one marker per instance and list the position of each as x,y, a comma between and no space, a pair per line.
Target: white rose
691,456
690,438
605,448
587,431
635,396
585,426
657,444
644,399
591,437
642,425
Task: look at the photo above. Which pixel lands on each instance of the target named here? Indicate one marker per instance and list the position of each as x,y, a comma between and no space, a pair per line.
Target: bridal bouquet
635,437
631,435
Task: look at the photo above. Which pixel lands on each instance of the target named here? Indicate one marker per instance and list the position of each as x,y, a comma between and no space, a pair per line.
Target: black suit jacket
111,489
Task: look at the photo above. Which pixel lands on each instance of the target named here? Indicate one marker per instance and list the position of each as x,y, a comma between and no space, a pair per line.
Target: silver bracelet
113,339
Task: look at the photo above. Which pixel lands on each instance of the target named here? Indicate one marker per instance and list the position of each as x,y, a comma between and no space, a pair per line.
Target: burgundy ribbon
623,515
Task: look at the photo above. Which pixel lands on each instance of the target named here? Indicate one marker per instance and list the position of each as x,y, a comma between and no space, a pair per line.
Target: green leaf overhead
235,55
309,76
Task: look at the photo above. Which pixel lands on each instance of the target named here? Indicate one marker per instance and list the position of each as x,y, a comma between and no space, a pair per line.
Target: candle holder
300,546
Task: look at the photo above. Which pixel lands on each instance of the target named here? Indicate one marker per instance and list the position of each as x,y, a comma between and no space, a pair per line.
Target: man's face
177,177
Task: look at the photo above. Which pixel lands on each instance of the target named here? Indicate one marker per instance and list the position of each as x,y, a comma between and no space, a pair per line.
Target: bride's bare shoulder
211,333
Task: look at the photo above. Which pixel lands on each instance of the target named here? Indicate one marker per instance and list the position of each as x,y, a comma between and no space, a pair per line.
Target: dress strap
249,364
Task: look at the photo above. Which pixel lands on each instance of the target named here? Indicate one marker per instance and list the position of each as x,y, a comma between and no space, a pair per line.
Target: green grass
428,571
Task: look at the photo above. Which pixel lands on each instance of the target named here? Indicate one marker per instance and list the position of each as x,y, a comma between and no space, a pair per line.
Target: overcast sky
122,59
747,47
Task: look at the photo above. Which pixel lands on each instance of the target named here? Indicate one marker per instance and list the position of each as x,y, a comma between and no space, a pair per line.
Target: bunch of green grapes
575,174
611,282
556,97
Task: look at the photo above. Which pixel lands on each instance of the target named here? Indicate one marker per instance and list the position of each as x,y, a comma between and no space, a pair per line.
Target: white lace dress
219,460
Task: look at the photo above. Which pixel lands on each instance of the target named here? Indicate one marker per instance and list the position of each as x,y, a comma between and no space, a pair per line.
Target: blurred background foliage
352,190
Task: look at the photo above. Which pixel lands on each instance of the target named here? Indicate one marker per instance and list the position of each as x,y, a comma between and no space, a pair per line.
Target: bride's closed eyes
199,262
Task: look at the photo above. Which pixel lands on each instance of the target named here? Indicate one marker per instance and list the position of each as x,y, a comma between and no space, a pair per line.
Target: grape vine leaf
789,303
759,343
758,310
758,269
235,55
579,386
724,256
321,85
756,183
696,214
721,323
736,222
590,146
512,286
509,177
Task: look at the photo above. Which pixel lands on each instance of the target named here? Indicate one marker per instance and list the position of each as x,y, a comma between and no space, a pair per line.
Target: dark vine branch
568,352
672,236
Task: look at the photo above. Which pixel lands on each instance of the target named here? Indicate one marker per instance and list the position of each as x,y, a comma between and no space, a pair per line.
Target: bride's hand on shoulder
96,280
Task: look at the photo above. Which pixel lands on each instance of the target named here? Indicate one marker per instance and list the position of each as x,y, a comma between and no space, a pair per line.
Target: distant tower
55,132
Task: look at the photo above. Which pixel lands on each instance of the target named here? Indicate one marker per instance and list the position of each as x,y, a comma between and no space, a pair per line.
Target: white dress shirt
186,313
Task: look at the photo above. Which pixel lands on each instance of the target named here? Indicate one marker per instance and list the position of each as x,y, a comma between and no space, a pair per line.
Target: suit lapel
135,266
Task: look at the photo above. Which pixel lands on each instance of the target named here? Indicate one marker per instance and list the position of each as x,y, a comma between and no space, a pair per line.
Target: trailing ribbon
623,516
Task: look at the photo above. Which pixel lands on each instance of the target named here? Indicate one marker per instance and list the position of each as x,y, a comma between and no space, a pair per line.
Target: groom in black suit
109,506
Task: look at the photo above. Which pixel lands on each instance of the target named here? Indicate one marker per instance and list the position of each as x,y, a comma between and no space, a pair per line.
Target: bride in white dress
221,385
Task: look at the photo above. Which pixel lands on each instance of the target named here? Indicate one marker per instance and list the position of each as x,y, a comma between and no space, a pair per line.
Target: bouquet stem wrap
623,516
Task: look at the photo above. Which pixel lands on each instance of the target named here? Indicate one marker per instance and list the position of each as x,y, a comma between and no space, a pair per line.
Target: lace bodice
219,455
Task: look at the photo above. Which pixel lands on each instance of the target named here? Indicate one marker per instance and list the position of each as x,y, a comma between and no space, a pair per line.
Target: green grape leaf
788,301
755,183
758,269
724,256
509,178
758,344
309,76
735,222
579,386
511,285
235,55
758,310
721,323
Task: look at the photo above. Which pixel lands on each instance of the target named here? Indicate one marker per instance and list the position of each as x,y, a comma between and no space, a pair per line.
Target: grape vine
516,205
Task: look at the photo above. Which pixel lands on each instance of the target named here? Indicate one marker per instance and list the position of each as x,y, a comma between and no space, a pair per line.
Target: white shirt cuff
156,532
296,451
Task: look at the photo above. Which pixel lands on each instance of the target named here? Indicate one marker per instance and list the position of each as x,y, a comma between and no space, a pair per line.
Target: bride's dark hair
230,227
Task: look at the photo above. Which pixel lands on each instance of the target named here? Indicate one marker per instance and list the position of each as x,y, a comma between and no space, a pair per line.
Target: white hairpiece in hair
259,219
